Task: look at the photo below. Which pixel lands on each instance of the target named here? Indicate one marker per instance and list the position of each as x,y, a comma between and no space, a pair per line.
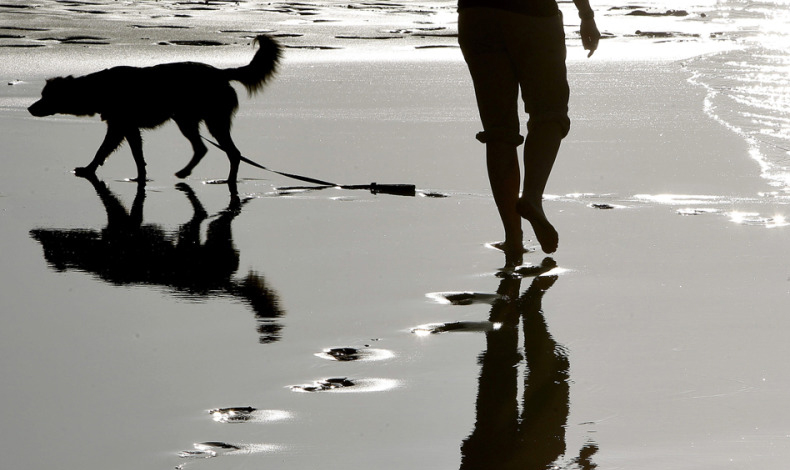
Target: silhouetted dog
134,98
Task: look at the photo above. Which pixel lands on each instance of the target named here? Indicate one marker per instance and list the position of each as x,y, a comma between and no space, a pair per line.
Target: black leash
375,188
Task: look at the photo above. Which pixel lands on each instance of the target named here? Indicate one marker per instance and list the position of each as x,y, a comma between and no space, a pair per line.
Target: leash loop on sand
375,188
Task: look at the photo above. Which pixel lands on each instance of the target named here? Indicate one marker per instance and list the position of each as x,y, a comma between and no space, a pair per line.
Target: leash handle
394,189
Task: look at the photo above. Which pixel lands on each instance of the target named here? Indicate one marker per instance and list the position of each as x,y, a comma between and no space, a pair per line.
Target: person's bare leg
504,175
540,152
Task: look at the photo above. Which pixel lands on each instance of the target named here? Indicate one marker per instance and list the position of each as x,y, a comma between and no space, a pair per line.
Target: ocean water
749,85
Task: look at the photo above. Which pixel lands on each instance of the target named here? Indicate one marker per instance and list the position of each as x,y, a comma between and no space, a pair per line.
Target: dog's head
61,95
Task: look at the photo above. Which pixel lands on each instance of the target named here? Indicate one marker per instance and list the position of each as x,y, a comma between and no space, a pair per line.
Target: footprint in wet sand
456,326
211,449
232,415
346,385
529,270
247,414
463,298
324,385
355,354
240,414
207,450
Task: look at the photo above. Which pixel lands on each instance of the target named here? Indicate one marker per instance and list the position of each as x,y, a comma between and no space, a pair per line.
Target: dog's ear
60,79
57,83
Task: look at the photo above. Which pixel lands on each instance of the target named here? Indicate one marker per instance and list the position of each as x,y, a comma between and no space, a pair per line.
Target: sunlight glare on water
749,87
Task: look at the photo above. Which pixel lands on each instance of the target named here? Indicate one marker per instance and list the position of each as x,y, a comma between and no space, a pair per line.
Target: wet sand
281,333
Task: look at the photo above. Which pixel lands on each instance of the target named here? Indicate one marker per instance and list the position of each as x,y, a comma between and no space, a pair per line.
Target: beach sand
667,305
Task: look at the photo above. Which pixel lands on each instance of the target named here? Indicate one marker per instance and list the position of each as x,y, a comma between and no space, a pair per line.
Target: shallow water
649,307
658,339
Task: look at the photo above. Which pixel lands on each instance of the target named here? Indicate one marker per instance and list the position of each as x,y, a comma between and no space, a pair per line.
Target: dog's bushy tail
263,65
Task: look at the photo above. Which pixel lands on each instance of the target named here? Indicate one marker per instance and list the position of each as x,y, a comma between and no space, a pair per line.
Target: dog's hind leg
220,129
191,130
112,140
136,144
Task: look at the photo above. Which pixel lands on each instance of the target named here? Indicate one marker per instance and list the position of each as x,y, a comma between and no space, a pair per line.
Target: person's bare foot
507,247
545,232
514,252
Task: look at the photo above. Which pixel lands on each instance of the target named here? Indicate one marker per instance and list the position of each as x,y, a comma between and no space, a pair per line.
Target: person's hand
590,35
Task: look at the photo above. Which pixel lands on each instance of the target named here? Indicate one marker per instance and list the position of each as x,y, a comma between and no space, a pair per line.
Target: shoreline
148,33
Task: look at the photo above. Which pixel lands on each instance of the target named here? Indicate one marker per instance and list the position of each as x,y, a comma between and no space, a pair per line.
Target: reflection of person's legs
496,89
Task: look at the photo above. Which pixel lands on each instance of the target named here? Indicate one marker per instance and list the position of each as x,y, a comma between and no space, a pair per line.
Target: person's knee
550,123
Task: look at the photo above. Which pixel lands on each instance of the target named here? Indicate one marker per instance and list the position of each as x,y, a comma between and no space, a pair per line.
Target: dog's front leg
136,144
112,140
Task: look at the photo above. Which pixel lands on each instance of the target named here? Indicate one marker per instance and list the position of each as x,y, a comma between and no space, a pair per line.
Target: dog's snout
37,109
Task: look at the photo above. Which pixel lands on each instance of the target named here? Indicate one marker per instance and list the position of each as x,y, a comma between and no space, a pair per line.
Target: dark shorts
506,51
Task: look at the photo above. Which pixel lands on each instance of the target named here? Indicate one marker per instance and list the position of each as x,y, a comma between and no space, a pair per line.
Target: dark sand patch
76,3
87,12
163,26
73,38
14,6
246,31
20,28
375,6
302,9
677,13
196,6
422,34
628,7
437,46
323,48
662,34
375,38
81,40
22,45
193,42
392,8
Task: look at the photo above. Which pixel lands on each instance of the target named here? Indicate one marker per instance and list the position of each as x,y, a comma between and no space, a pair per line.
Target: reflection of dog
128,252
134,98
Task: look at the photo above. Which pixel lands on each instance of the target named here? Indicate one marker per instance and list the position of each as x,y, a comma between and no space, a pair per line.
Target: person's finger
590,43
